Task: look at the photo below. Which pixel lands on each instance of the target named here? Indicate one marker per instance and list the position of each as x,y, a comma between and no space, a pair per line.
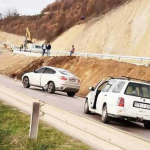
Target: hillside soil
123,31
89,70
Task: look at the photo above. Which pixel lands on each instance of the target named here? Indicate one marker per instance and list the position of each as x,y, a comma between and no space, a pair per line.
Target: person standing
25,45
21,47
48,47
72,51
43,48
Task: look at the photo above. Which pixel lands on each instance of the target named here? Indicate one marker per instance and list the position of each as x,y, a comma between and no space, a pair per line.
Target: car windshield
138,89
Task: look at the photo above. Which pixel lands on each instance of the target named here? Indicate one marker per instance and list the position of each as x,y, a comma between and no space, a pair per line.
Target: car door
48,75
96,92
36,77
104,94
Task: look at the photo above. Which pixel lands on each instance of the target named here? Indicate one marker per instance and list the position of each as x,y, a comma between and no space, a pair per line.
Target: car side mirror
34,71
91,88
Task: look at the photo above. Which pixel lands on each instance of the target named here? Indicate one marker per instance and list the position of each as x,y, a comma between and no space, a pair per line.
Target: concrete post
34,121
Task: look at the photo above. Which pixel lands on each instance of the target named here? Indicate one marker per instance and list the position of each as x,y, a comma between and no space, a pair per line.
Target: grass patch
14,129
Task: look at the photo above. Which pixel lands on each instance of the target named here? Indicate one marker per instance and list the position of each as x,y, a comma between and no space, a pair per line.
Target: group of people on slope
46,47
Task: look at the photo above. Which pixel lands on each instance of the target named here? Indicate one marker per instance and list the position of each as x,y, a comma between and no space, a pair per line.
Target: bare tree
1,16
11,13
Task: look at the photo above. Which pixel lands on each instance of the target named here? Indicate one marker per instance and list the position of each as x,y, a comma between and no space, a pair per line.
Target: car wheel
147,125
105,117
86,107
71,94
51,88
26,83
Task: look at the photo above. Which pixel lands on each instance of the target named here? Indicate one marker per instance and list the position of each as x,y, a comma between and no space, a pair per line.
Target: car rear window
65,73
118,87
139,90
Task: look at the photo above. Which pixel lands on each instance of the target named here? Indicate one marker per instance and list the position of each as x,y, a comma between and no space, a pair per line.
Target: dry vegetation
59,17
85,68
14,129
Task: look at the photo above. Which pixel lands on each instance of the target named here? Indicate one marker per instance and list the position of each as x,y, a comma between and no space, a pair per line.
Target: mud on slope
89,70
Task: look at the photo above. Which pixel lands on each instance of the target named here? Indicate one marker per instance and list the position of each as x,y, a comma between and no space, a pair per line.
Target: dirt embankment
90,71
124,31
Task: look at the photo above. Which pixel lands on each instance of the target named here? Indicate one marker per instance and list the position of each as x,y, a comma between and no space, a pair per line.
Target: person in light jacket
43,48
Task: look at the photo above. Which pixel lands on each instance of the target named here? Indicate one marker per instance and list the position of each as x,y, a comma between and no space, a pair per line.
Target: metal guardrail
140,60
120,58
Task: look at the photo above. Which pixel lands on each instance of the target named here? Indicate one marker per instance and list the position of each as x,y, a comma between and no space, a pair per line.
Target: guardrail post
34,121
119,58
141,61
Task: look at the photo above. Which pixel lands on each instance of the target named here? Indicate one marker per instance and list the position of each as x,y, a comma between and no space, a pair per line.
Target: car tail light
120,102
63,78
79,80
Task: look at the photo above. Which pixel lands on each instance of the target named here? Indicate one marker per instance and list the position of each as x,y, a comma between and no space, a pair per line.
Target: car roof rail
130,78
122,77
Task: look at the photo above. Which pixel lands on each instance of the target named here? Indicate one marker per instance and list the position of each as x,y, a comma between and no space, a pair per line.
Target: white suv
52,79
122,97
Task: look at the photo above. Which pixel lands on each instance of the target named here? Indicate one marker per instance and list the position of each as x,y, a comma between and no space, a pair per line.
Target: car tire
51,87
86,107
147,125
71,94
105,117
26,82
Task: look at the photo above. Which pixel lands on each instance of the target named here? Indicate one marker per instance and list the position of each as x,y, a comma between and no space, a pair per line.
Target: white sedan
52,79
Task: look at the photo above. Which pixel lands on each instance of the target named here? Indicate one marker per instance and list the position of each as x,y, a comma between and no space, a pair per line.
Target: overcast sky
24,7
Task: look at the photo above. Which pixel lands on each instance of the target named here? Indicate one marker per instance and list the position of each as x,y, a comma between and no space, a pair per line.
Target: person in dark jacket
72,51
48,47
43,48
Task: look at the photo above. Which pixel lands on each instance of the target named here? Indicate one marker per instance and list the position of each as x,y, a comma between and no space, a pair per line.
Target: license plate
141,105
72,80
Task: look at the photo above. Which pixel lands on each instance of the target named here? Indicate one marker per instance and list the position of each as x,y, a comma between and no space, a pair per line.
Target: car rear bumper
119,112
131,117
66,88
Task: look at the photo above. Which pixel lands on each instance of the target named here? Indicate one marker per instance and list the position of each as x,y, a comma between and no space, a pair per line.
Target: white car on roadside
34,48
52,79
123,97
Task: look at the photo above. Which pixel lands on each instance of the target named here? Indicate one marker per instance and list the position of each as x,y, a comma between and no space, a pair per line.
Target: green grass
14,130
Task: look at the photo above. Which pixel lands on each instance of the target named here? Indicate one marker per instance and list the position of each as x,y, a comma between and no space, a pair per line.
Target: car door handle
105,95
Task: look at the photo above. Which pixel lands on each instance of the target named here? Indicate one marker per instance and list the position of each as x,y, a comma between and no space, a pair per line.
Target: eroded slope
125,31
89,70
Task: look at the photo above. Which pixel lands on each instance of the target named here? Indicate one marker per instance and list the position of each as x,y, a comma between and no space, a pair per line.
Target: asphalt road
74,105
